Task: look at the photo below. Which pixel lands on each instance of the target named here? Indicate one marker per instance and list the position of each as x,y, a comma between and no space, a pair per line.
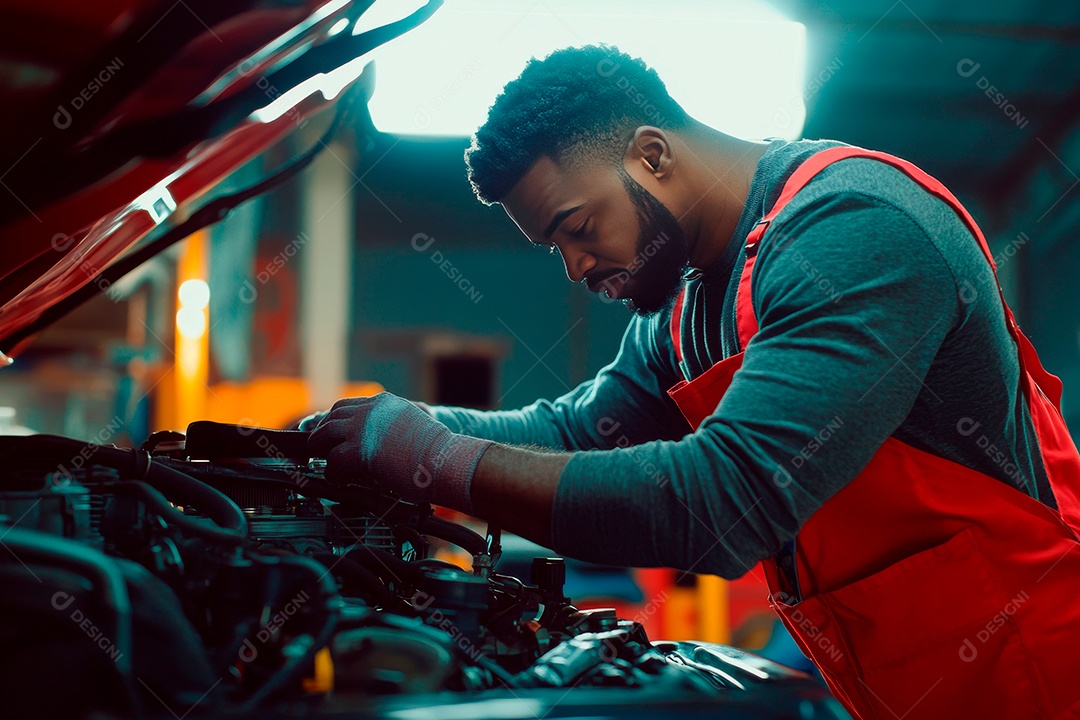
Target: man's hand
309,422
401,447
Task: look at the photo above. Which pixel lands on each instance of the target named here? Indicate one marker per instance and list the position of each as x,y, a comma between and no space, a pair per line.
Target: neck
721,169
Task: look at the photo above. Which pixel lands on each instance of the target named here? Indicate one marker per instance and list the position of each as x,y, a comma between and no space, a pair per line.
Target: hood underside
128,112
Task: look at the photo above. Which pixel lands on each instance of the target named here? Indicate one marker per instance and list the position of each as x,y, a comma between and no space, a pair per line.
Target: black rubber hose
357,576
175,485
213,503
107,578
383,563
459,535
292,669
15,447
159,504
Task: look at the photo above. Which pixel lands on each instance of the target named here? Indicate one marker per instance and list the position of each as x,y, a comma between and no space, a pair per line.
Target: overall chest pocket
698,398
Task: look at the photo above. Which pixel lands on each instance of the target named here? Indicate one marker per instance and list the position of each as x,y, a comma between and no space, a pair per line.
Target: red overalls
929,590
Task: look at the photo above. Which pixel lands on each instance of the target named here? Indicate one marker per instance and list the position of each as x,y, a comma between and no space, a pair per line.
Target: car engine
218,570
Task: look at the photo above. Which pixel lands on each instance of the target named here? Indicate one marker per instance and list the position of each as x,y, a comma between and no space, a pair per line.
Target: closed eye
581,229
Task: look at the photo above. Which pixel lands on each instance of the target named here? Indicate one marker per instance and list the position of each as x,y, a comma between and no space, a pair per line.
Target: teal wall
1045,207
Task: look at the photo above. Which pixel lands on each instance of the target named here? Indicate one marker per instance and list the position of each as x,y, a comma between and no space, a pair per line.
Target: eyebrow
559,217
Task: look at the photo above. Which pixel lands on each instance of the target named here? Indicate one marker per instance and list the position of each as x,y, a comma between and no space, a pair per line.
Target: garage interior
376,268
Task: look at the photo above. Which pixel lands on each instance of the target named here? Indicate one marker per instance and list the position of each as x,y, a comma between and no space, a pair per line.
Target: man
850,400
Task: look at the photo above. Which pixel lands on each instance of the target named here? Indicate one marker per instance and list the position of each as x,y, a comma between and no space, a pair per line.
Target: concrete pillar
326,274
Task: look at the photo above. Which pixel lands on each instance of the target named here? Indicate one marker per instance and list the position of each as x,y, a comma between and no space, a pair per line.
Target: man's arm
820,390
515,490
830,375
635,385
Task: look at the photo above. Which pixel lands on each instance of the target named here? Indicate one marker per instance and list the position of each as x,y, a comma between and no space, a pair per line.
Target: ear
650,150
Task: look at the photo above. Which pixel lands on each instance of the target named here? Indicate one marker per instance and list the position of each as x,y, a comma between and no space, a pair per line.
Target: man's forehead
538,193
544,190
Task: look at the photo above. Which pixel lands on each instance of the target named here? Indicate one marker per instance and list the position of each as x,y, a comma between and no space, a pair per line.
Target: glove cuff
456,467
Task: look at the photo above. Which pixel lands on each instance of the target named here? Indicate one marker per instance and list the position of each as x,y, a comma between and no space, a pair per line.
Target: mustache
599,280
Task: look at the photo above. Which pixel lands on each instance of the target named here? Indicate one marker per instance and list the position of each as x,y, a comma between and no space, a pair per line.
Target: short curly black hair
577,103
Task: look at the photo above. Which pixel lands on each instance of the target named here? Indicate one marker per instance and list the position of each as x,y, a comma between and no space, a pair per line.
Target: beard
661,257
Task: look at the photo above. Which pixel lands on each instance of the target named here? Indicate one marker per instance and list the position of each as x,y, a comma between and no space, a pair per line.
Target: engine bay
219,570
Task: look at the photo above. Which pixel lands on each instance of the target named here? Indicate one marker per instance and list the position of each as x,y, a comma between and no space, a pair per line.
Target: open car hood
129,111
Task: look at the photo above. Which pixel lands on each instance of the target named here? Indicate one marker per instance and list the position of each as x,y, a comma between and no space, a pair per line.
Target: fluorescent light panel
737,66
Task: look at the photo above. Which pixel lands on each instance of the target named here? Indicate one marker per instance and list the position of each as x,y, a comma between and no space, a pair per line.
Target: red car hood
129,111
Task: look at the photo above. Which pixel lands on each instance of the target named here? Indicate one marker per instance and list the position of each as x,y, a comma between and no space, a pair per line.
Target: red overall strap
676,323
1059,452
747,321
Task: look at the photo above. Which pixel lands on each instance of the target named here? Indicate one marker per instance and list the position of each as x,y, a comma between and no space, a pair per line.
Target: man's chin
648,306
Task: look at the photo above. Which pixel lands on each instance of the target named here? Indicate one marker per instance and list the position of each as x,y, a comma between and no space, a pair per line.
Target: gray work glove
401,447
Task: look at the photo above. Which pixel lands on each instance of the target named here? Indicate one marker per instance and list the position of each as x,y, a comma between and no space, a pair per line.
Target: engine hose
383,563
358,576
175,485
459,535
159,504
213,503
290,672
105,575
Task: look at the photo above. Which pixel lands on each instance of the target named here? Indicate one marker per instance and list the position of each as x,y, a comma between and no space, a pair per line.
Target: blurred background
377,268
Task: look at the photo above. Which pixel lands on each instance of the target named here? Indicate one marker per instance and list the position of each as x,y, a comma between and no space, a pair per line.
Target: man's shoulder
873,184
856,218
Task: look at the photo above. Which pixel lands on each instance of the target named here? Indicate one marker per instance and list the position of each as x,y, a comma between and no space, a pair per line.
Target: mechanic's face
610,231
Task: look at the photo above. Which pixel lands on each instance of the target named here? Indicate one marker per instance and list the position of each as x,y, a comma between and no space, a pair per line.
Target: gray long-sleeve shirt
878,317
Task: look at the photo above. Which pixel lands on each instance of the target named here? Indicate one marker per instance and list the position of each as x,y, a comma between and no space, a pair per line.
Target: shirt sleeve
625,404
853,300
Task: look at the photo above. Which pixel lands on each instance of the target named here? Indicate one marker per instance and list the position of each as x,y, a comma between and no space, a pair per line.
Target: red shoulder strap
747,321
1059,453
744,308
676,323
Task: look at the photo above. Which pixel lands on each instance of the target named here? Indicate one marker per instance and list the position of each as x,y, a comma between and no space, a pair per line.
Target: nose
577,263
